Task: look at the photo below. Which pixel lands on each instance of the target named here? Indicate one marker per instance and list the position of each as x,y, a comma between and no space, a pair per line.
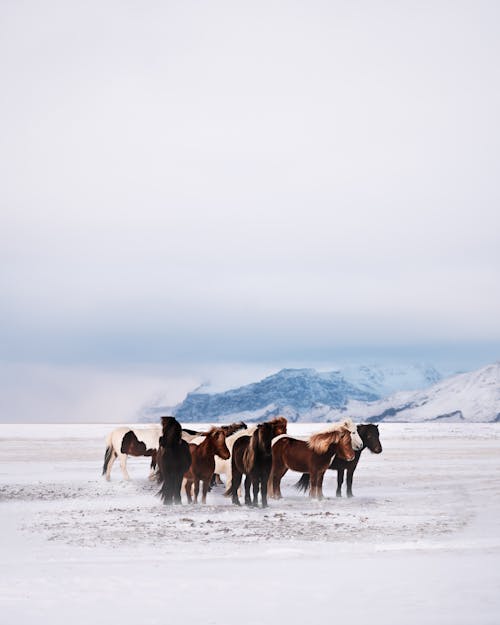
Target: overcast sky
197,187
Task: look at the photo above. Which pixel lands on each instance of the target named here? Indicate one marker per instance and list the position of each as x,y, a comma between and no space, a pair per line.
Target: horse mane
233,427
251,451
278,421
257,445
172,431
321,441
212,430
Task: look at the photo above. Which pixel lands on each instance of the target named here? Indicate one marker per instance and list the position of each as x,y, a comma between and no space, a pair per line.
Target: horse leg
263,489
340,480
196,490
235,484
169,489
206,487
278,470
319,486
270,484
114,456
177,488
255,484
313,484
350,475
188,487
152,470
248,483
123,466
277,477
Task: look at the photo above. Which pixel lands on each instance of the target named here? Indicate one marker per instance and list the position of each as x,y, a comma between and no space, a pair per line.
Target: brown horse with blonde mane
312,456
203,462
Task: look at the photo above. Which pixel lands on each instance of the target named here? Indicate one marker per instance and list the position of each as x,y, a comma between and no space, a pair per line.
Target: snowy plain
418,543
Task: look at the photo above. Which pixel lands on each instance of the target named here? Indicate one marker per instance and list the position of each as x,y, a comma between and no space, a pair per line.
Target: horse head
279,425
172,431
370,437
356,440
218,437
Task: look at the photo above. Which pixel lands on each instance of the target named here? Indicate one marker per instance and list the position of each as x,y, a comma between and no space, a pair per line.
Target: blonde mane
321,441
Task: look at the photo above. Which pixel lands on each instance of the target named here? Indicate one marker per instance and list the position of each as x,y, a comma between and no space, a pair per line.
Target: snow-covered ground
419,542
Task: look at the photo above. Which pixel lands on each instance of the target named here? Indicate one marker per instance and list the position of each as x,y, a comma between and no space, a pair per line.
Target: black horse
252,455
370,436
174,459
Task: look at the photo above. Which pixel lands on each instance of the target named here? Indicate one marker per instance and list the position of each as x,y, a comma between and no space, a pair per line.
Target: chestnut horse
371,439
203,462
174,459
252,455
313,456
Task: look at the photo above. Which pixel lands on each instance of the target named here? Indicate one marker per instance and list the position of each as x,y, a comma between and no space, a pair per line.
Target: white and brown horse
124,441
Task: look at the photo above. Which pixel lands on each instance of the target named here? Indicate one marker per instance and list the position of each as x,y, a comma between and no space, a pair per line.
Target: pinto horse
123,442
252,455
369,434
313,456
203,462
174,459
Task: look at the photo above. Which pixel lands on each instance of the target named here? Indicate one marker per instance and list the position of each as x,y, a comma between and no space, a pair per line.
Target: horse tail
303,483
107,457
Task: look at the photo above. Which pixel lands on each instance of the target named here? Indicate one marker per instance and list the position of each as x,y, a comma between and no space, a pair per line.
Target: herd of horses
263,453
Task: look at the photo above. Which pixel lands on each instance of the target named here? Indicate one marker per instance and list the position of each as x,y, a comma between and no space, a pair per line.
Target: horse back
133,446
293,453
240,446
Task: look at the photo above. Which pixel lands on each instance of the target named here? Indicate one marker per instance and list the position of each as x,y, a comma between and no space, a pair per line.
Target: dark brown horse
252,455
312,456
174,459
369,434
203,462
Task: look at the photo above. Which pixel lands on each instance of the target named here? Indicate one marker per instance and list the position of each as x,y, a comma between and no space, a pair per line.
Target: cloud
221,183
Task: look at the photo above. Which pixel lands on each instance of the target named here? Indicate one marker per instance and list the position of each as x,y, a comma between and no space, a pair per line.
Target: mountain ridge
300,394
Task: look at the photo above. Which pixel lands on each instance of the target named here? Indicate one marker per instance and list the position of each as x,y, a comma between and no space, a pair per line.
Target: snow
419,542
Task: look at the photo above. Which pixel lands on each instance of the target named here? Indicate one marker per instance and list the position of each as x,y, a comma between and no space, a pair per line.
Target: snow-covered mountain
384,380
299,394
293,389
473,397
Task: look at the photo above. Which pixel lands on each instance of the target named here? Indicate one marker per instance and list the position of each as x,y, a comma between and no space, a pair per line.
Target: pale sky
188,186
